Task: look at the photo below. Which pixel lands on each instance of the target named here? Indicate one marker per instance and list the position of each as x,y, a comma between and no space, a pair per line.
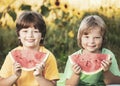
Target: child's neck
86,51
31,48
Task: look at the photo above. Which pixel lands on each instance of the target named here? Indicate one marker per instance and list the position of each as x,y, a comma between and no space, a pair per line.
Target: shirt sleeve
51,70
114,66
7,67
68,69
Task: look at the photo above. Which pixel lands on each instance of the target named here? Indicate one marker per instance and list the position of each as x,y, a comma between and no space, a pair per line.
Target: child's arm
9,81
44,82
74,80
109,78
40,78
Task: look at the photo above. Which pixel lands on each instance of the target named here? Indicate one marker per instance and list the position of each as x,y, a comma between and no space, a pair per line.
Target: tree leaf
45,11
12,14
25,7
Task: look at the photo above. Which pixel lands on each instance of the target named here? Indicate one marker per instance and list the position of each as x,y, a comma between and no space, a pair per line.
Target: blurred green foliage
62,29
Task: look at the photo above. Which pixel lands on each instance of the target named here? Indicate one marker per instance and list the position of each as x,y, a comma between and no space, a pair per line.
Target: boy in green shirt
91,37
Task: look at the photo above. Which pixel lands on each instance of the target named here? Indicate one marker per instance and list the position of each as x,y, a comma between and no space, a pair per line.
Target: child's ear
18,37
41,37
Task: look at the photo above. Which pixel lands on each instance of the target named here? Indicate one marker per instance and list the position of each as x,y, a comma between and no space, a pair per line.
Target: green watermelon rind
84,72
28,69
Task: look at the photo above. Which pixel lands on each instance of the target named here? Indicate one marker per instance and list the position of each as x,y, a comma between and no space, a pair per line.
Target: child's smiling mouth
30,40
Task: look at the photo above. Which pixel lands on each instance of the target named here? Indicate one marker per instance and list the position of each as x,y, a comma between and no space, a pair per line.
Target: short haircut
31,19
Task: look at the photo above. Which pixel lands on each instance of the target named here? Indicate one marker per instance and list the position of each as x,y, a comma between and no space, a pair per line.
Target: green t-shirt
94,79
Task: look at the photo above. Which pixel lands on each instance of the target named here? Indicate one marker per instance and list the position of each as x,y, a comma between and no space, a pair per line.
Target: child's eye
24,31
97,37
36,31
86,36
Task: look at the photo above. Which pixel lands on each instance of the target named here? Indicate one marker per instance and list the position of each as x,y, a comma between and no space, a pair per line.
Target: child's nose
30,33
91,40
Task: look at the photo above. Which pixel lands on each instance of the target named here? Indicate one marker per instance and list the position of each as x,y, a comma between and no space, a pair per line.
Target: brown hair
87,24
31,19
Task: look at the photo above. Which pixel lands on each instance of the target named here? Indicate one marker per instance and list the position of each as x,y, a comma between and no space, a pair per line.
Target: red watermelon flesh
28,59
89,63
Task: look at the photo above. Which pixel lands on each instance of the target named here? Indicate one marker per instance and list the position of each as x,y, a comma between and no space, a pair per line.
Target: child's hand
106,65
17,69
76,69
38,69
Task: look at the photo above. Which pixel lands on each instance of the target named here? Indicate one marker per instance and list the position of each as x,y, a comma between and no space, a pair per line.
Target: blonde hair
87,24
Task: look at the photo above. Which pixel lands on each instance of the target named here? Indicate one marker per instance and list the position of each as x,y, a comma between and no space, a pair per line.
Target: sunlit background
62,18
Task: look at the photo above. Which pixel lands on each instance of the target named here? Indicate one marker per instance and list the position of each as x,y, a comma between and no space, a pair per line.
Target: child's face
92,42
30,37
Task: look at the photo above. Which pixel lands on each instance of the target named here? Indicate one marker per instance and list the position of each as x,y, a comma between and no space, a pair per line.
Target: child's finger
75,65
17,65
40,66
76,69
106,62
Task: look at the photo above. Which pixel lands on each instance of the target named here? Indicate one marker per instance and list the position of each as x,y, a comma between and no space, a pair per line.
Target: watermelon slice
28,59
89,63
